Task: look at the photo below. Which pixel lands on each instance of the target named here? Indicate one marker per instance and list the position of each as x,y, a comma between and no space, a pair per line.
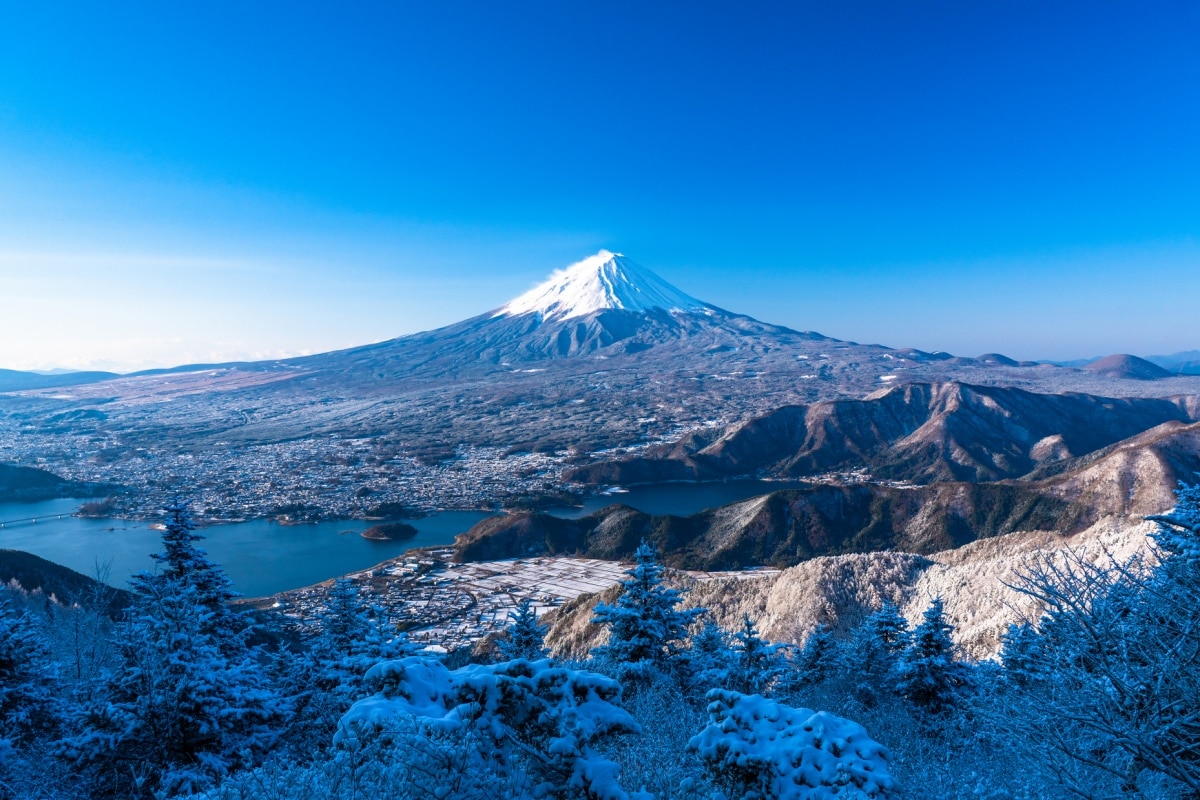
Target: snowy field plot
498,586
559,578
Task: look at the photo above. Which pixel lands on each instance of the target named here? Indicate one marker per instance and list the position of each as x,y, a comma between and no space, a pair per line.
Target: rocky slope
784,528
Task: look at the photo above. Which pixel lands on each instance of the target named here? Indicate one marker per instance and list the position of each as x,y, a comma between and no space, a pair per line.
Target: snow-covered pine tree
1020,652
188,701
928,673
645,624
756,662
710,659
182,560
870,655
29,710
888,628
814,661
524,637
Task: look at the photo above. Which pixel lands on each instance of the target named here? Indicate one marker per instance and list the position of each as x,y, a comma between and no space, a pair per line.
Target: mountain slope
975,581
605,304
917,432
787,527
28,484
1128,367
1186,362
1126,481
14,380
33,573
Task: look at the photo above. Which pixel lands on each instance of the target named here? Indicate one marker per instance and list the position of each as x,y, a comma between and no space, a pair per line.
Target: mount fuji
603,354
603,306
603,282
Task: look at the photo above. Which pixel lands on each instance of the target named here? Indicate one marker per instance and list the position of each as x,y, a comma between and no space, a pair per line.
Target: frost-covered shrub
758,749
544,718
1110,680
658,760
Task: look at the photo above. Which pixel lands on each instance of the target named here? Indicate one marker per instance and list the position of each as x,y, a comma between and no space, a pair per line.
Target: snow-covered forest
188,695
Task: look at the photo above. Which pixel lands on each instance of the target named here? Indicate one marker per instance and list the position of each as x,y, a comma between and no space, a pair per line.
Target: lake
679,499
263,557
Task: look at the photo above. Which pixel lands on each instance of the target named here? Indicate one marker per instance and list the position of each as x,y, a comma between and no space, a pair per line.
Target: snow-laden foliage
812,662
177,713
869,657
188,701
546,718
645,625
710,658
29,707
929,673
1020,652
759,749
1110,681
757,663
325,680
183,562
525,637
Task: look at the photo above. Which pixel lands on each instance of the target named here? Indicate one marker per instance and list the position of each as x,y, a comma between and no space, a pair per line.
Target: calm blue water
263,557
679,499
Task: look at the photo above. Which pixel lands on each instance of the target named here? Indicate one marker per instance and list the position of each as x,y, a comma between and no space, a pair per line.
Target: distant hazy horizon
221,183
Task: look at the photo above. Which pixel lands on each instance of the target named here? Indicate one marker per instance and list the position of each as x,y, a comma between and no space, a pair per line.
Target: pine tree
328,677
813,662
525,637
188,701
710,659
928,673
645,625
870,655
181,560
757,662
1020,652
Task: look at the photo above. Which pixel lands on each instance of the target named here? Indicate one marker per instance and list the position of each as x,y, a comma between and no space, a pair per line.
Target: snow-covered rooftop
600,282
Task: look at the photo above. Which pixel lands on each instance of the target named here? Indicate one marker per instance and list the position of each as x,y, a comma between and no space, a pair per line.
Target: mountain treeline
190,695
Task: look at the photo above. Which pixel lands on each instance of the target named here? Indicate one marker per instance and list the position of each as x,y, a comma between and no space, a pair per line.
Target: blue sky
208,181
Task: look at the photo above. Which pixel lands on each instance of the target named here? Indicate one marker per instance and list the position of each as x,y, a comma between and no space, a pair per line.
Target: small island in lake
390,532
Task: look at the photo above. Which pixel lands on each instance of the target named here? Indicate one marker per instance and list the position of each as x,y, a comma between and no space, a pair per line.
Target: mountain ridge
915,432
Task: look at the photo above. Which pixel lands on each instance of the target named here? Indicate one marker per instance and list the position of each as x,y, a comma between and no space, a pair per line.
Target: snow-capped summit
598,283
